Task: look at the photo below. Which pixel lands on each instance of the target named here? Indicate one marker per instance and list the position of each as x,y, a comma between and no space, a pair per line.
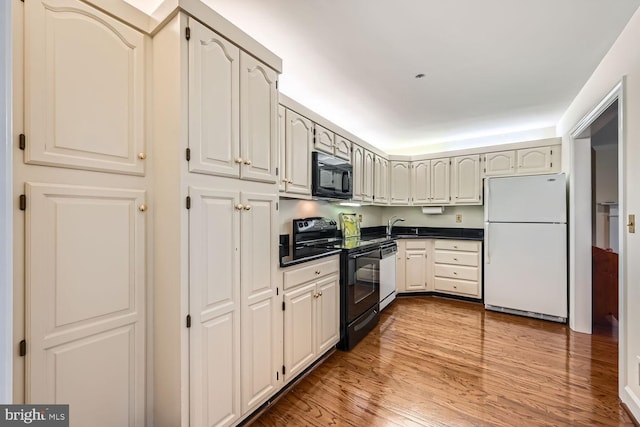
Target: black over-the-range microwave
331,178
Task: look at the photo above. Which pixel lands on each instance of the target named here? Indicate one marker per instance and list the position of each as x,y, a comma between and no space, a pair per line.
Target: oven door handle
373,254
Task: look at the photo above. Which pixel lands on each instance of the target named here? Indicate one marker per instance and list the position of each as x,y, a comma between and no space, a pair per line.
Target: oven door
363,282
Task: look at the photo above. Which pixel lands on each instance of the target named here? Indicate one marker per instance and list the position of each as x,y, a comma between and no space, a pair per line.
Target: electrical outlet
458,218
360,218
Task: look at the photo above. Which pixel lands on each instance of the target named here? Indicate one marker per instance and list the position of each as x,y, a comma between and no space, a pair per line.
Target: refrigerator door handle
487,254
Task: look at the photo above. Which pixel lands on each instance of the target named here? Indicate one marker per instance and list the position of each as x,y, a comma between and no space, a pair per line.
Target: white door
343,148
440,181
324,139
261,316
299,329
534,160
258,120
85,302
421,182
415,270
538,198
501,163
525,267
466,188
400,179
282,156
214,306
327,313
299,140
357,161
85,89
214,96
367,183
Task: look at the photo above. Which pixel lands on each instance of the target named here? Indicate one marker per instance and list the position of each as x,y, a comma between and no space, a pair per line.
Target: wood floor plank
438,362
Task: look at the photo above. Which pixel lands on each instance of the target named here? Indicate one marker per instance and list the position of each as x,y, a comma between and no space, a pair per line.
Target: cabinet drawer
310,271
457,272
462,287
415,244
458,245
457,258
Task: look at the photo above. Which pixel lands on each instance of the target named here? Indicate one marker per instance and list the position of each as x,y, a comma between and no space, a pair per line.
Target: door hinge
22,141
188,202
23,202
23,348
188,154
188,320
187,33
282,305
283,370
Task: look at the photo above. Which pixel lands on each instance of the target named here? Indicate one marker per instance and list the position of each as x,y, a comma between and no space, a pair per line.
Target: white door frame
6,205
580,267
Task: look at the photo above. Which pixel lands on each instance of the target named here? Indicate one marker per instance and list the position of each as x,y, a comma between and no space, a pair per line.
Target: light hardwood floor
439,362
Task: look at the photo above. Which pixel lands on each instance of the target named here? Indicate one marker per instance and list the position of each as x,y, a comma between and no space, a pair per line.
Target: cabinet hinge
551,165
23,348
188,202
284,371
282,305
23,202
485,170
188,154
277,170
277,376
276,84
551,152
277,206
187,33
22,141
188,320
277,291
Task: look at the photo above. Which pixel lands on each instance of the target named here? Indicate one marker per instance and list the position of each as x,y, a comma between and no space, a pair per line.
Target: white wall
622,60
6,281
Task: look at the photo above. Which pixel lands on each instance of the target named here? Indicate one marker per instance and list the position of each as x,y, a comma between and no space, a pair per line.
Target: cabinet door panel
84,88
421,182
328,314
400,179
324,139
214,68
85,298
415,270
466,180
214,301
534,160
261,318
258,120
357,160
367,181
299,131
343,148
381,180
500,164
440,181
299,329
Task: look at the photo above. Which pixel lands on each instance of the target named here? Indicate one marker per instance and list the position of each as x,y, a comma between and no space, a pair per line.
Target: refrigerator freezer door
526,267
535,198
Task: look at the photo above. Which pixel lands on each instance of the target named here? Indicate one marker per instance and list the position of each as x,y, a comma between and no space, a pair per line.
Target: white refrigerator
525,254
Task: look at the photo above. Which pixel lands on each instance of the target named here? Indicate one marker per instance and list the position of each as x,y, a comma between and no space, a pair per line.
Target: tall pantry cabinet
81,218
218,330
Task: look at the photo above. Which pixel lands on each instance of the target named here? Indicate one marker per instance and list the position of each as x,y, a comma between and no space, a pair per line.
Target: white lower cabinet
457,267
417,269
311,313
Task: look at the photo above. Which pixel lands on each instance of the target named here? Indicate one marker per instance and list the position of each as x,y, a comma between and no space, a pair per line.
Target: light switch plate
458,218
632,223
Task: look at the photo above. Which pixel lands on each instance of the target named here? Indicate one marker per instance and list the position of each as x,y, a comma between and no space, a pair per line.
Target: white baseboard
632,401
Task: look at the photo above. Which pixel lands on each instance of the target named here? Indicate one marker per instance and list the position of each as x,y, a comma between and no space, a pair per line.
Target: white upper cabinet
214,98
342,148
534,160
258,120
501,163
400,183
466,185
421,182
324,139
440,181
381,178
367,180
282,159
298,143
85,96
357,160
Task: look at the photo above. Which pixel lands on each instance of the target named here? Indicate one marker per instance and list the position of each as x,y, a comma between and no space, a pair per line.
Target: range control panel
310,225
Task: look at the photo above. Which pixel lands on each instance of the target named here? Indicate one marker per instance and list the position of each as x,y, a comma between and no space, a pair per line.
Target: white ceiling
496,70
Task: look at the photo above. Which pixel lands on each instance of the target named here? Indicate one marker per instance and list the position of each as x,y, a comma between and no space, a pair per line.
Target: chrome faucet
391,223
